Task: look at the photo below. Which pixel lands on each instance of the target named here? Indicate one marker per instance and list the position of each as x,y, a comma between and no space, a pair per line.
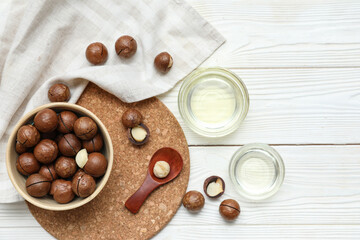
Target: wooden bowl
18,180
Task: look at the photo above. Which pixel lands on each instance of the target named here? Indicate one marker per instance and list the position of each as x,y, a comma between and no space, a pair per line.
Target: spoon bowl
151,182
172,157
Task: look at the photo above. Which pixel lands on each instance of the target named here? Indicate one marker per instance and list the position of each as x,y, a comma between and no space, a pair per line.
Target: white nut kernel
138,133
161,169
214,188
170,62
81,158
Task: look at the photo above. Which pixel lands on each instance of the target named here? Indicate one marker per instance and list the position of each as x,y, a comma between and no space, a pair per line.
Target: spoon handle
138,198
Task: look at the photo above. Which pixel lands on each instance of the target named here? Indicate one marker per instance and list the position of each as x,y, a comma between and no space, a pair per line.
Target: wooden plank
321,187
227,231
292,106
272,33
220,232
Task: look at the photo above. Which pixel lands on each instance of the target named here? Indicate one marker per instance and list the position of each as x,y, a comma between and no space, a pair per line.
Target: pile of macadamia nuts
125,47
60,153
214,187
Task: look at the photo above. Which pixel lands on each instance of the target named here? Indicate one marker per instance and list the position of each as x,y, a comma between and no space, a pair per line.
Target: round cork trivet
105,217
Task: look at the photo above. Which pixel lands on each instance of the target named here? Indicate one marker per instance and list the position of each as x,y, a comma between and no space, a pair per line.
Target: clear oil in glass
255,174
213,102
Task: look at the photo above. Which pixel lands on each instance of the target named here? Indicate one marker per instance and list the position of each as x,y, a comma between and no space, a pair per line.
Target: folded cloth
44,42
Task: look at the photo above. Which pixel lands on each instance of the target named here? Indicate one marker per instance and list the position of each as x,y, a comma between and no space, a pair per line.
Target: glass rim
280,167
188,84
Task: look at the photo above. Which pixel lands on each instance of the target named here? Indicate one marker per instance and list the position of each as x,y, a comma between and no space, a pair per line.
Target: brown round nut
125,46
96,164
46,151
83,185
93,145
193,201
46,120
214,187
69,145
20,148
37,185
131,118
65,167
85,128
48,171
229,209
163,62
28,136
96,53
61,191
66,121
27,164
59,93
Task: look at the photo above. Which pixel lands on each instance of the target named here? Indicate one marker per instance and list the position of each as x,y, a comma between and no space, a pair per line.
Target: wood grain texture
221,232
320,188
292,106
272,33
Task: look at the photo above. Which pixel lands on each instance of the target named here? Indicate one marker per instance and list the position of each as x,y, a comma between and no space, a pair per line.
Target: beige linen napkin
43,42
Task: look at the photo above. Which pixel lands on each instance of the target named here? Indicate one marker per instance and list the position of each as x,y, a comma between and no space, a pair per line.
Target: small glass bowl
219,80
257,171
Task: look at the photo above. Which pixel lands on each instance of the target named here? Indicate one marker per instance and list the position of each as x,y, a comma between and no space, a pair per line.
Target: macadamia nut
65,167
96,53
46,120
163,62
138,133
96,164
131,118
85,128
59,93
229,209
69,145
28,136
62,191
27,164
37,185
81,158
66,121
125,46
161,169
46,151
193,201
214,187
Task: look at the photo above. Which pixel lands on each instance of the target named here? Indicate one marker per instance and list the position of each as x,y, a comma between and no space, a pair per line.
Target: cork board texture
106,217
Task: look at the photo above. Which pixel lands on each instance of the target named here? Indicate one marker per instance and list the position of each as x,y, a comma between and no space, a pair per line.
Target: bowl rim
12,139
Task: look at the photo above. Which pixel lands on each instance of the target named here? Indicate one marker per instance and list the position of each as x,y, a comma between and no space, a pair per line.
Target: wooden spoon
169,155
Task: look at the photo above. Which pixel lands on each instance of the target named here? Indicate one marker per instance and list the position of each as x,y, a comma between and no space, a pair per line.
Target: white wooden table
300,60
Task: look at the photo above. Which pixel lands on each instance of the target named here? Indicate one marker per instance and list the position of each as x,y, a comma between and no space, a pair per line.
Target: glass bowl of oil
257,171
213,101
